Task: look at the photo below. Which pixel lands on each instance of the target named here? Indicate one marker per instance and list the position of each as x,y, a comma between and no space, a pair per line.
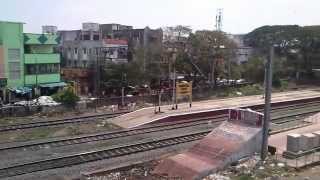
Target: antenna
219,18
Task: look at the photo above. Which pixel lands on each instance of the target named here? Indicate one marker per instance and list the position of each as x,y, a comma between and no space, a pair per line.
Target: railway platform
147,115
279,140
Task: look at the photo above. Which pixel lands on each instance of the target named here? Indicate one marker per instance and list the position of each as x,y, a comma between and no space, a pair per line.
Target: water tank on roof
49,29
90,26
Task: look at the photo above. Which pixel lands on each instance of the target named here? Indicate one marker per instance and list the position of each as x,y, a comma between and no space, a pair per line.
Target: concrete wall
41,58
225,144
11,35
80,59
32,39
41,49
2,63
42,79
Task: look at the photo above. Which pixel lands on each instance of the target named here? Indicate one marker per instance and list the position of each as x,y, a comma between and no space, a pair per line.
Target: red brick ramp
228,143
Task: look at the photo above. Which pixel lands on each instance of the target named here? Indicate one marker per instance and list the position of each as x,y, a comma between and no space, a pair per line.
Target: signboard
3,82
246,116
184,88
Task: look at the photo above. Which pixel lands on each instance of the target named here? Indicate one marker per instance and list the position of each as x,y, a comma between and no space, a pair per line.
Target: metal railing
300,162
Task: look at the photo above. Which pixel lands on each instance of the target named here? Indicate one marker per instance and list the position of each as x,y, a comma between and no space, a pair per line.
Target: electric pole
97,71
266,120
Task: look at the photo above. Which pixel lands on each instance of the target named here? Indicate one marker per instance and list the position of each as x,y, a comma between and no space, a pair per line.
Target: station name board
184,89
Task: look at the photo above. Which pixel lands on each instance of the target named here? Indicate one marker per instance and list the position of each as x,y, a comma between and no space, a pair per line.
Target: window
56,68
115,27
84,64
75,50
14,55
84,50
42,68
14,70
86,37
31,69
90,50
14,64
50,68
96,37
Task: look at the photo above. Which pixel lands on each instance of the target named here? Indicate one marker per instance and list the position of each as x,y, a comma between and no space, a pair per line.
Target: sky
239,16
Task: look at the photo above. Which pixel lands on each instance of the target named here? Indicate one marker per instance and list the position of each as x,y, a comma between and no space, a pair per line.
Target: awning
21,90
52,85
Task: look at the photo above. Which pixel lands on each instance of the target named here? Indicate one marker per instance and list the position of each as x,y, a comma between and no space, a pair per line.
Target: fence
9,111
299,123
300,162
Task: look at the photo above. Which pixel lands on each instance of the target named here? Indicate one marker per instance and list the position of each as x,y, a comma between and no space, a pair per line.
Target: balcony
42,79
41,58
49,39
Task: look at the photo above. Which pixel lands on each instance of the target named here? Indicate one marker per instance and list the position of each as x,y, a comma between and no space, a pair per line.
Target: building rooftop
12,22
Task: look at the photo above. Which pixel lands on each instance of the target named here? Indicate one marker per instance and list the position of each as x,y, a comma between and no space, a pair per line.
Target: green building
28,64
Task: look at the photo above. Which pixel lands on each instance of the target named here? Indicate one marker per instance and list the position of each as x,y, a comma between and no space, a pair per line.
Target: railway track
81,158
116,134
81,119
279,115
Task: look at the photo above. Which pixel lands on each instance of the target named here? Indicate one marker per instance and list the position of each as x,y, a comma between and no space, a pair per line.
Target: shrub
276,82
251,90
66,97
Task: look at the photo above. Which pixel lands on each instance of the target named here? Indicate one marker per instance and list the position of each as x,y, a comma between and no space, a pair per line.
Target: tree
209,50
254,70
67,97
299,45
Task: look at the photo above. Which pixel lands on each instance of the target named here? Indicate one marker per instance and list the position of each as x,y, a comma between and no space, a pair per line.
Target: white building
116,50
243,52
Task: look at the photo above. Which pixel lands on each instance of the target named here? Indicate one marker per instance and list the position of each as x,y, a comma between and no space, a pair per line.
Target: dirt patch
57,131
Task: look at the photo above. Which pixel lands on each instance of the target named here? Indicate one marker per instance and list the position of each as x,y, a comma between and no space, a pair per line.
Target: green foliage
244,177
66,96
280,83
253,70
236,71
284,84
276,82
210,47
251,90
248,90
300,45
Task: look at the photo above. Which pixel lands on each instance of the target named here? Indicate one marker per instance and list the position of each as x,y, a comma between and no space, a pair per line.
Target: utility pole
37,86
97,69
174,81
122,96
212,73
266,120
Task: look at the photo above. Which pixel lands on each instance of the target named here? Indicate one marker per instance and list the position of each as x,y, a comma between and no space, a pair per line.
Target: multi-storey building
140,37
107,30
243,52
41,63
27,61
81,49
115,50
